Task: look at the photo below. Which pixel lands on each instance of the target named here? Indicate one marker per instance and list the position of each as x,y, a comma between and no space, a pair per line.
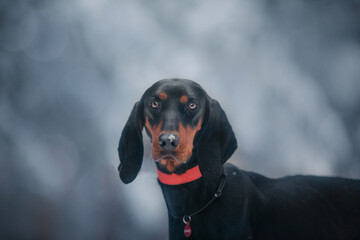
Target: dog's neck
183,199
189,175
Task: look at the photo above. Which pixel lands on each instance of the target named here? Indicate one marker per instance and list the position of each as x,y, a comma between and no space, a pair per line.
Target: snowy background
287,73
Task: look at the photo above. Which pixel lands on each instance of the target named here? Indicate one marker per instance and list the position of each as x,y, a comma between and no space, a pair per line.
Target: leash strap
187,218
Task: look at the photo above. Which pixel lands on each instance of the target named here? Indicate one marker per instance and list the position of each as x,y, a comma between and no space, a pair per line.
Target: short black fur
131,149
252,206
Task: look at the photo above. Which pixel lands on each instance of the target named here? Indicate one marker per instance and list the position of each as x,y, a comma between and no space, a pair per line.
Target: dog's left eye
192,106
155,104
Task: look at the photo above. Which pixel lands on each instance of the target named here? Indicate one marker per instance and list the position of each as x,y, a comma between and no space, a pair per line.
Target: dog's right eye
155,104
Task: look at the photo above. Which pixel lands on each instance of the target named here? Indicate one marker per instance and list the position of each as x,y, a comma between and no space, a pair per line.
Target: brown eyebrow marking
184,99
162,96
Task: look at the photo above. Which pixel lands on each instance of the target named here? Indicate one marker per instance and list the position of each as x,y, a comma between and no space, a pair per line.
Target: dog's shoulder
251,179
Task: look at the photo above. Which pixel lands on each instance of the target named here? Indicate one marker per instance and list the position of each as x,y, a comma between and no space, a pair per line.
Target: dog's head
186,127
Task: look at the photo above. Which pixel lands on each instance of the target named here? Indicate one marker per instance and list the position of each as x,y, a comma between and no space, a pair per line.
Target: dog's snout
169,141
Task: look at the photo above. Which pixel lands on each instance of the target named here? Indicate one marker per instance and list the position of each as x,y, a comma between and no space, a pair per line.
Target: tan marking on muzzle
186,144
182,152
155,133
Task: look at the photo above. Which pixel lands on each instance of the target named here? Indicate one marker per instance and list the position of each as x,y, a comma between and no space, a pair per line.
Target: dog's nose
169,141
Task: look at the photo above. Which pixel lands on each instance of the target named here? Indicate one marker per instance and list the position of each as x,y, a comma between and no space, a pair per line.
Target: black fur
251,206
131,149
217,141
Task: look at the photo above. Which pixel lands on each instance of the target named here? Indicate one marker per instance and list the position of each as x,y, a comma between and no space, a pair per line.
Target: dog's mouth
168,157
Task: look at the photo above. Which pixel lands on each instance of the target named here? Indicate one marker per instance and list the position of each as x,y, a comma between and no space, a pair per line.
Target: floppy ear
131,148
217,141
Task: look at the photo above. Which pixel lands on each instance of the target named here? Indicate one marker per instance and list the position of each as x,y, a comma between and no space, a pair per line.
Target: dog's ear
131,148
216,142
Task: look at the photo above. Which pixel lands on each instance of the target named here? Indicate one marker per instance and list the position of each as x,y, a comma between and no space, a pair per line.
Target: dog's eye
192,106
155,104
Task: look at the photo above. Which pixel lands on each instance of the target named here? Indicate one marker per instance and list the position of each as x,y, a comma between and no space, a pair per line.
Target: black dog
207,199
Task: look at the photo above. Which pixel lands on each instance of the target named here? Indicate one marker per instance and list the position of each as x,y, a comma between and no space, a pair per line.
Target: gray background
287,74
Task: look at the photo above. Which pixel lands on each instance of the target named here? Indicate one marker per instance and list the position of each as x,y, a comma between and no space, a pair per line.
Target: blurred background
287,73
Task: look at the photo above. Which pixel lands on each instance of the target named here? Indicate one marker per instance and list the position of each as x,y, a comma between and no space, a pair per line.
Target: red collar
175,179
